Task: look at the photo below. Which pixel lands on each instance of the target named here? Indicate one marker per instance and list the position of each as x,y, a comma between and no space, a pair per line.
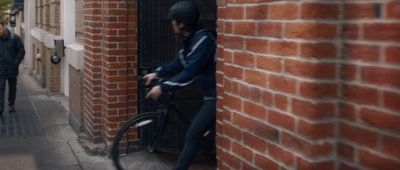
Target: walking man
11,54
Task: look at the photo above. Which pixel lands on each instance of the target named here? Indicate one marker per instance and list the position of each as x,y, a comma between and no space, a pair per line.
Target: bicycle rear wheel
126,140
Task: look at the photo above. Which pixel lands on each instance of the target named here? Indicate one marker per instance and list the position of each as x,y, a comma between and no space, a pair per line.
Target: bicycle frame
165,105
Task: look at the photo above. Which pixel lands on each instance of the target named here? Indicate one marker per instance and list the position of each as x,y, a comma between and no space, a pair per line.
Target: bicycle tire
135,122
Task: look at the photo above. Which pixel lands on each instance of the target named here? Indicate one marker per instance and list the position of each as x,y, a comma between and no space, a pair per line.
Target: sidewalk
38,137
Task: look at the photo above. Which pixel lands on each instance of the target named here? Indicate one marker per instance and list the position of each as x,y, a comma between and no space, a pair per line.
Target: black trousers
203,121
12,87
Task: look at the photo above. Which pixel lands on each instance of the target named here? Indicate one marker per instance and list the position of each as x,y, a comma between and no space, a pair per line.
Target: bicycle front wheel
127,139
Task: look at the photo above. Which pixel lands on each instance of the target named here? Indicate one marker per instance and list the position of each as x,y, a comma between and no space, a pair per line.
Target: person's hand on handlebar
154,93
149,78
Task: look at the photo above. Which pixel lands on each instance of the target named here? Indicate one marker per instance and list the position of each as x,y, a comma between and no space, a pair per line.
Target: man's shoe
11,109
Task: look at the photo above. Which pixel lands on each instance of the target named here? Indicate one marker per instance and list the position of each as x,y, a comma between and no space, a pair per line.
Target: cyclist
194,63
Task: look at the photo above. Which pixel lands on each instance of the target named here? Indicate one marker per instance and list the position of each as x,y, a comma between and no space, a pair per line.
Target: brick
314,111
387,31
267,98
305,165
254,110
360,10
283,156
281,120
265,163
246,165
311,70
233,72
244,90
282,84
350,31
374,161
391,101
392,54
360,94
236,89
242,152
220,163
348,72
266,132
316,130
281,102
346,151
283,48
257,12
311,31
391,146
318,90
318,50
232,160
319,11
269,29
256,94
244,59
232,132
286,11
233,102
381,76
269,63
243,122
393,10
228,27
228,56
362,52
255,77
345,166
227,115
259,129
347,112
234,12
221,12
381,120
254,142
304,148
359,135
233,42
244,28
257,45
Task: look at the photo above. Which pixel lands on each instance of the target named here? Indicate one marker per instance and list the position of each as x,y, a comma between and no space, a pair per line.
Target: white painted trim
74,55
46,38
36,33
67,21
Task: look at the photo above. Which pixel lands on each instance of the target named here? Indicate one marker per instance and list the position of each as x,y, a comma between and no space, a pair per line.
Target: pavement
38,137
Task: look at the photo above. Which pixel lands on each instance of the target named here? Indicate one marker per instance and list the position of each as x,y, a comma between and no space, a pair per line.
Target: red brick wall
119,63
308,84
370,84
93,71
110,59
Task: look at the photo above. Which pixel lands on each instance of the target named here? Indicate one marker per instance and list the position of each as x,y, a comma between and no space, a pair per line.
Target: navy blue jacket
11,54
196,62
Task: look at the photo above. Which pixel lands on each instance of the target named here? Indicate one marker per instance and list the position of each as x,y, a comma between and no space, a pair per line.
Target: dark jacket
11,54
196,62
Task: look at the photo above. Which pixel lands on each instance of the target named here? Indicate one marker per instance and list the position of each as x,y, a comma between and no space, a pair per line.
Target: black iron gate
157,45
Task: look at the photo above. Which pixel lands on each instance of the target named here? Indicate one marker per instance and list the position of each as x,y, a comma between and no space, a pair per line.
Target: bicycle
158,119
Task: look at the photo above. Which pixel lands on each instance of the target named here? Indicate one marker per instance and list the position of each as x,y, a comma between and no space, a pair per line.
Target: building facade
301,84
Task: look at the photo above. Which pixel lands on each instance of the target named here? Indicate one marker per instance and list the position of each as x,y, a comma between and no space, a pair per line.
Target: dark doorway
157,45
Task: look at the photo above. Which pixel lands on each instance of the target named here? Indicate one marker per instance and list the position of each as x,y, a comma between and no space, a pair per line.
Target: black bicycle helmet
185,12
